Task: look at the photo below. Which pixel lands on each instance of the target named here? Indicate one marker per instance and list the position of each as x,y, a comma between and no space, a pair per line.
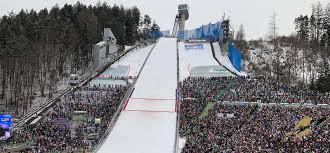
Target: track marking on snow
152,99
149,111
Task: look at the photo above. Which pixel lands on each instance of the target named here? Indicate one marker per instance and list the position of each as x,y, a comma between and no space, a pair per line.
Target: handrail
177,103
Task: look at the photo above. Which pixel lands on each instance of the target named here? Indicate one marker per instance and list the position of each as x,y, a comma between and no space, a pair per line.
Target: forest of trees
37,49
303,57
313,38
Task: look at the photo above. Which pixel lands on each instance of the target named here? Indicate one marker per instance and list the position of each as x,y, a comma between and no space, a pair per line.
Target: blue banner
234,56
5,121
194,46
207,32
211,32
5,124
158,34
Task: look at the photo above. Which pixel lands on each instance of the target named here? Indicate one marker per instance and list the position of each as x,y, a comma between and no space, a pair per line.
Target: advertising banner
194,46
207,32
5,125
234,56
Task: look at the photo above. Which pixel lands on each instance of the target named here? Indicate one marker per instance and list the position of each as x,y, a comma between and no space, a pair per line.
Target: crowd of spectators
250,90
76,123
244,127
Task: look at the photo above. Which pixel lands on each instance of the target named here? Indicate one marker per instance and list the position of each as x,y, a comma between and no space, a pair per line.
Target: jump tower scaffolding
180,19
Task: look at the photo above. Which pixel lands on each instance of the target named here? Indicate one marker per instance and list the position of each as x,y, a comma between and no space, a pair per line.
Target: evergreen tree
145,24
323,82
155,27
240,41
38,48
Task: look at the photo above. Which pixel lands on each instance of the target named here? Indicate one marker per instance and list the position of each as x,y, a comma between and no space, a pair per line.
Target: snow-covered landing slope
199,60
133,60
127,66
148,122
223,59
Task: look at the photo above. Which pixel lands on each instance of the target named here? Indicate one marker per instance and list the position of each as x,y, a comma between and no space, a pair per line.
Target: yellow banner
301,128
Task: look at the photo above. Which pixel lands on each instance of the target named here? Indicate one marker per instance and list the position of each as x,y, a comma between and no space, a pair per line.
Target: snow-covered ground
134,60
182,143
38,100
142,132
262,57
224,59
128,65
199,60
128,47
148,122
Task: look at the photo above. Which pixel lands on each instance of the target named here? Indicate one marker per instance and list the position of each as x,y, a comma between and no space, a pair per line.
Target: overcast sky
253,14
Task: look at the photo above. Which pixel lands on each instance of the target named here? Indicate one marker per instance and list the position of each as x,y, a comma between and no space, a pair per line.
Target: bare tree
272,35
240,33
273,30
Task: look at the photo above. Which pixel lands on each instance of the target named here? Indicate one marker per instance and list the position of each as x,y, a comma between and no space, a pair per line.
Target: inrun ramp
148,122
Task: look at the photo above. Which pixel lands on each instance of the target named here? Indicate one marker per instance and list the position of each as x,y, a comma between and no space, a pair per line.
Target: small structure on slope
105,49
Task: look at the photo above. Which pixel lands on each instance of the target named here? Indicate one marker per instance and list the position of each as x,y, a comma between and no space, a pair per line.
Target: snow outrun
128,65
148,122
134,60
199,62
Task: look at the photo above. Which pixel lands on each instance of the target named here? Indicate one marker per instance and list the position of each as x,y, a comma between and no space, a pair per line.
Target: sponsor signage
194,46
5,125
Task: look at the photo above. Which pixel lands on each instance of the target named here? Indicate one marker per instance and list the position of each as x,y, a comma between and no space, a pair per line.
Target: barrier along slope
223,60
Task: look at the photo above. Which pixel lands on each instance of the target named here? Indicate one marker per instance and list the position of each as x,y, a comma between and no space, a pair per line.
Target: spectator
251,128
58,132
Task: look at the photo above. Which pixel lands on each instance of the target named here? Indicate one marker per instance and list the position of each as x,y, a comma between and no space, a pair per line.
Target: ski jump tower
180,19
